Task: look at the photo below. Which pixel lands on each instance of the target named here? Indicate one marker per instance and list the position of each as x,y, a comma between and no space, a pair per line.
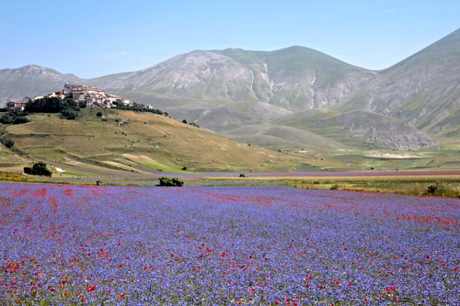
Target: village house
127,102
91,96
57,94
16,105
80,93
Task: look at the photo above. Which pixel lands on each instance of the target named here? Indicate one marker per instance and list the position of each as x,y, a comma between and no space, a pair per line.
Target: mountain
272,98
31,81
299,78
422,90
295,78
229,89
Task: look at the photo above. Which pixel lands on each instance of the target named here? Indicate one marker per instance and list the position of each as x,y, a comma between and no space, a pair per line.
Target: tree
38,169
69,114
51,105
7,142
168,182
14,118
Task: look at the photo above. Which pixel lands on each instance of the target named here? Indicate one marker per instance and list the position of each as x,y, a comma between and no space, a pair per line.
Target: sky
100,37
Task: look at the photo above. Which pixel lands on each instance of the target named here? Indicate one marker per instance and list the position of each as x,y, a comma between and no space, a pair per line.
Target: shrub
242,175
38,169
168,182
7,142
69,114
99,114
13,118
441,188
20,120
431,190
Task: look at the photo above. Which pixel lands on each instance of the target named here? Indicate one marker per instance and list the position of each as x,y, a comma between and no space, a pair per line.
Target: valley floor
423,183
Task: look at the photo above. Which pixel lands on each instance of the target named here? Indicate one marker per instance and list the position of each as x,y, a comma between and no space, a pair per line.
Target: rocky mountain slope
31,81
360,128
295,78
422,90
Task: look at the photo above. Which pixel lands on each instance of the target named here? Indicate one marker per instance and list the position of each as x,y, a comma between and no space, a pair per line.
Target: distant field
430,183
421,183
143,143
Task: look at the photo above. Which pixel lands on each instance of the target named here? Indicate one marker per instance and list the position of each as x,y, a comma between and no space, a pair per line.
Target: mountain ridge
226,90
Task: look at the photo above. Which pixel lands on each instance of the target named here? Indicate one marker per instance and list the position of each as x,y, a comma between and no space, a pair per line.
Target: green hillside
141,142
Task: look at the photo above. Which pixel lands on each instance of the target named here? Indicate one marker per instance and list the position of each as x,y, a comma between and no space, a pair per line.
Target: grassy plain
136,148
436,184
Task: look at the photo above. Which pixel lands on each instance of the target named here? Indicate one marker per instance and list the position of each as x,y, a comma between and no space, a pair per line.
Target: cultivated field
93,245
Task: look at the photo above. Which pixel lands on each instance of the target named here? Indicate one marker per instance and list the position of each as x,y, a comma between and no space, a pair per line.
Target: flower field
102,245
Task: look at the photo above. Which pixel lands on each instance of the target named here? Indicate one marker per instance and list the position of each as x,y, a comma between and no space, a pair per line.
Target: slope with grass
145,141
359,129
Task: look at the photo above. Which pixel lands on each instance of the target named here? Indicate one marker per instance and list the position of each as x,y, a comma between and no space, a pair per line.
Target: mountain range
288,99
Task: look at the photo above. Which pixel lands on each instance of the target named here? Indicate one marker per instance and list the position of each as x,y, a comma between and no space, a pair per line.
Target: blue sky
99,37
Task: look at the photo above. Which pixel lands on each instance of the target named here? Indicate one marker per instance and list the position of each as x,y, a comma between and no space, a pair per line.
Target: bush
69,114
441,188
99,114
242,175
432,189
13,118
168,182
20,120
7,142
38,169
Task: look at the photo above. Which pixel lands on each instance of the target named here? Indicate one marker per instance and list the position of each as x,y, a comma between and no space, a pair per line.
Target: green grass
420,185
157,166
440,185
446,186
169,144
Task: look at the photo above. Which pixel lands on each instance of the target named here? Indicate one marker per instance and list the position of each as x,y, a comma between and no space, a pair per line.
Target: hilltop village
89,95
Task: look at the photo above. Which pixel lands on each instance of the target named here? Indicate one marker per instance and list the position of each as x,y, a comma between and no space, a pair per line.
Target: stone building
80,93
16,105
